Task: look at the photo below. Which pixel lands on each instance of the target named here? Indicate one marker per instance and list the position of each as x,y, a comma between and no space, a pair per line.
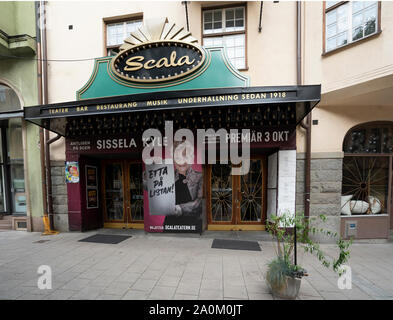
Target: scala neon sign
158,61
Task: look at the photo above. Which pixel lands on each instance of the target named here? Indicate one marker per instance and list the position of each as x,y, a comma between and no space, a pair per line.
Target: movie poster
161,189
91,176
92,198
173,196
72,172
91,187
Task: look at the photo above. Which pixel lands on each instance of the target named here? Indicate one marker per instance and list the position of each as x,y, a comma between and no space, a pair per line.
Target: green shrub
283,266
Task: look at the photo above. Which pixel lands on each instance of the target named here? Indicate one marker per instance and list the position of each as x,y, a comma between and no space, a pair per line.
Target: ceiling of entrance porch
377,92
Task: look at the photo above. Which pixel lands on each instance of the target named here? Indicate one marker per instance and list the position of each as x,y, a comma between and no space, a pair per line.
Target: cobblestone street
148,266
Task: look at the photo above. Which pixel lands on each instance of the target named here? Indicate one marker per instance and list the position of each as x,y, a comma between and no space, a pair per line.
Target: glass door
251,194
221,199
236,200
391,191
113,192
135,192
123,192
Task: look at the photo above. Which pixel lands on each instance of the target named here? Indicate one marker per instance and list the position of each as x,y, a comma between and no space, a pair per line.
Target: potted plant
284,274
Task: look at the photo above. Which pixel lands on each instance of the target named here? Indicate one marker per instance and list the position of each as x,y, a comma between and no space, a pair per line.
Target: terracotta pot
289,290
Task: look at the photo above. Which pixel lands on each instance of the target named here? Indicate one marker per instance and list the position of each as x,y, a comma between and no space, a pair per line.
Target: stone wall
59,192
325,188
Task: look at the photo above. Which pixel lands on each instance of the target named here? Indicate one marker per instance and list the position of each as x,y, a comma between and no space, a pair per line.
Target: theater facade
162,80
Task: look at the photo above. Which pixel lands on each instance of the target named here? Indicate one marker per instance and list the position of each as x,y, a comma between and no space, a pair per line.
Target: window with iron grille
367,168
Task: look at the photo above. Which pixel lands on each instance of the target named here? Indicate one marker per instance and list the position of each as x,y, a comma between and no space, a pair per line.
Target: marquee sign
158,61
148,58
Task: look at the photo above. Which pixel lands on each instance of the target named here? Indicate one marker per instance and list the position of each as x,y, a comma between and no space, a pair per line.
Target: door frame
128,164
235,223
126,222
390,192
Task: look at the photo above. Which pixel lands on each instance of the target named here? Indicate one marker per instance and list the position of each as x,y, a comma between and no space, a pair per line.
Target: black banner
178,99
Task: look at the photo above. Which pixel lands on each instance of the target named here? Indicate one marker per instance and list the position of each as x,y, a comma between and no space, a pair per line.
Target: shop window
366,186
117,31
15,164
12,180
349,21
227,27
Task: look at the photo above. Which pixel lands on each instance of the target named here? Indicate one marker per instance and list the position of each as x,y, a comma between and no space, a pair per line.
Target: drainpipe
298,43
40,101
49,196
307,180
307,123
49,177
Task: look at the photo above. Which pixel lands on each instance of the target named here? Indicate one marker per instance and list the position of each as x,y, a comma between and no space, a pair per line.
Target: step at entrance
6,223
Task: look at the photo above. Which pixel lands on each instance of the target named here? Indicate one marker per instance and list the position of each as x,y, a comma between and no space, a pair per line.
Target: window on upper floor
349,21
226,27
117,31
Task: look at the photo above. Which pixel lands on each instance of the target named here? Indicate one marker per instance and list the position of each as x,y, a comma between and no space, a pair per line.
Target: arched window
367,169
9,100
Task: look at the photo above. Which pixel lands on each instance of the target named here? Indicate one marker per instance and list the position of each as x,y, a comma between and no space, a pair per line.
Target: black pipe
7,176
295,243
306,124
186,7
298,81
260,18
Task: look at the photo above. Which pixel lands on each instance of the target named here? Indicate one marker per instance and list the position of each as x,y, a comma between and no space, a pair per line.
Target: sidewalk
149,266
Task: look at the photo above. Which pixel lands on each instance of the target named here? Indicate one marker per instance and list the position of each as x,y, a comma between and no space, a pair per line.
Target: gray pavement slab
167,266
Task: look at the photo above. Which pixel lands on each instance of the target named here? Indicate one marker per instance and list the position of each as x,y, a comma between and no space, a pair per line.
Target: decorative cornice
22,42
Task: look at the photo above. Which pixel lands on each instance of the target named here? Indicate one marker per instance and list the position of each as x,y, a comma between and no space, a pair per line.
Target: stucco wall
335,121
17,17
21,76
362,62
357,81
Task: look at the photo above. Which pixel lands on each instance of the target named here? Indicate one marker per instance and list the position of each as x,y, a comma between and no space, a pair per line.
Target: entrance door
236,202
391,191
122,194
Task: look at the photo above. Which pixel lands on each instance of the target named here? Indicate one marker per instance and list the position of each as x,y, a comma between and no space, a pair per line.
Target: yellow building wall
270,54
356,81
